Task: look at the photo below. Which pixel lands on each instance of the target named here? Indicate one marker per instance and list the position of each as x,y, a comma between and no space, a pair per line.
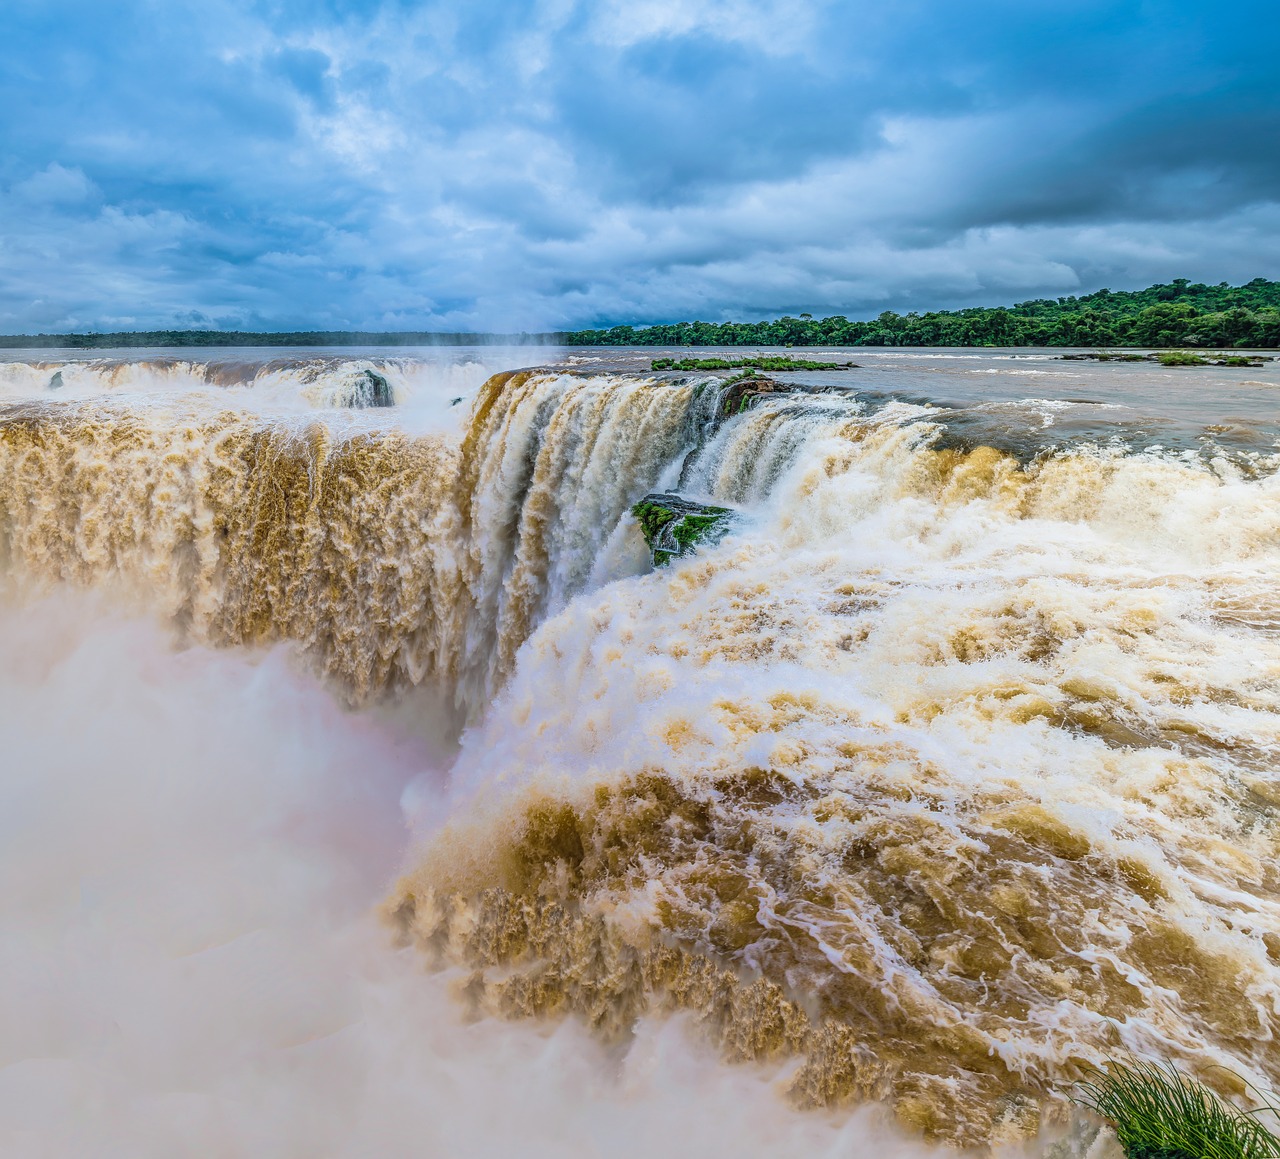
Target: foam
942,777
193,844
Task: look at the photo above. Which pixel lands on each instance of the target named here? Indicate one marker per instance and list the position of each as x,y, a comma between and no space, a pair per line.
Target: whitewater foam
188,961
948,772
955,756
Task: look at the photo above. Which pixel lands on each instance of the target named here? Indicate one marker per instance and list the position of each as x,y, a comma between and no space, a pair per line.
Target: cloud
55,186
775,27
545,163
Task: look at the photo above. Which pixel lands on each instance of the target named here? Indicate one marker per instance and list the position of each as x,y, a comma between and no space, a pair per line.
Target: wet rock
739,396
674,526
379,393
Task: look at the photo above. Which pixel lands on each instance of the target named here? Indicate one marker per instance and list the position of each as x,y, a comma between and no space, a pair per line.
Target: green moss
674,526
1180,358
1159,1113
739,393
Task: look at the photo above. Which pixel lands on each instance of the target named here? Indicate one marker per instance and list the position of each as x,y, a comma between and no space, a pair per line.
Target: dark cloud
558,162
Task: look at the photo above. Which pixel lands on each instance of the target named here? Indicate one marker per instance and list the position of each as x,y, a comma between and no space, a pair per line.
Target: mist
194,847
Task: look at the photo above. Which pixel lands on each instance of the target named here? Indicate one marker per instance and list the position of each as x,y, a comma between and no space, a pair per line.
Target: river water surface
367,789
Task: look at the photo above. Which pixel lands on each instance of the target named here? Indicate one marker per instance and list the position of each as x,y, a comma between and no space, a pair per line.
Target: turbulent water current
949,772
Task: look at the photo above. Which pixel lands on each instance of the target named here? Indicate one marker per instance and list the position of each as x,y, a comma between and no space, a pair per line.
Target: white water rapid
947,773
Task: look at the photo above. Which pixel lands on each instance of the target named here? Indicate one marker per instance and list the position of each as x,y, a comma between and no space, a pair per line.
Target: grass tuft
1159,1113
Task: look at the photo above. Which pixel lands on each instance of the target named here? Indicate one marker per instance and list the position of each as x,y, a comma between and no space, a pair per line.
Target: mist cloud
193,845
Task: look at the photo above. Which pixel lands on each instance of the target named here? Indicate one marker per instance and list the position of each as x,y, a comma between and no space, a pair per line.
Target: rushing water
950,771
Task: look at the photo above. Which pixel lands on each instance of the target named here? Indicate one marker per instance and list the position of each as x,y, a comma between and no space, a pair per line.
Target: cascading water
317,382
391,558
949,772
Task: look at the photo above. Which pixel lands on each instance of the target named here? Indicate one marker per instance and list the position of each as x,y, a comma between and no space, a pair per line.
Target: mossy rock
674,526
740,395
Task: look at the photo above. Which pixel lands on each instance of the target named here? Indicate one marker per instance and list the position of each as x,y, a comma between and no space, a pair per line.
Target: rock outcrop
674,526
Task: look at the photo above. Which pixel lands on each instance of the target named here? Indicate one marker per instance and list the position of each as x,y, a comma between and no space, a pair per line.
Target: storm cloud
528,165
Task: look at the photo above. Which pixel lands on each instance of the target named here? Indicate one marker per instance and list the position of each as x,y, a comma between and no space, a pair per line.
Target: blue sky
526,165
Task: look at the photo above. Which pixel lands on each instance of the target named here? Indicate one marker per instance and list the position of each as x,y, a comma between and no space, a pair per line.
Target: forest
1180,313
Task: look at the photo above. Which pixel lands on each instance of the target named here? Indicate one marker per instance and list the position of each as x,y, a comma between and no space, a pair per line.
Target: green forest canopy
1179,313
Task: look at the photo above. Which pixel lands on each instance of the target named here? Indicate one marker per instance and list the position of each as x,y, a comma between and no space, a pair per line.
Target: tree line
1178,313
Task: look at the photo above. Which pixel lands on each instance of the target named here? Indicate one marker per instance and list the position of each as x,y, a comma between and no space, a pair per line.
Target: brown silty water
948,773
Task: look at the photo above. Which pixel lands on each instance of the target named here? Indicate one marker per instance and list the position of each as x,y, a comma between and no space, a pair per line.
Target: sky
507,165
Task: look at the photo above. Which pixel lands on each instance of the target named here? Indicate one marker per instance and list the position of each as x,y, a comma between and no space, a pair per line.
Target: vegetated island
769,362
1171,358
1179,313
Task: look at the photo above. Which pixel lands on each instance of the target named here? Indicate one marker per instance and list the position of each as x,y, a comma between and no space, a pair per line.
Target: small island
770,362
1171,358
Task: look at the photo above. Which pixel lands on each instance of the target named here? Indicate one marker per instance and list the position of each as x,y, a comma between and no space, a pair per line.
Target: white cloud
557,162
55,185
771,26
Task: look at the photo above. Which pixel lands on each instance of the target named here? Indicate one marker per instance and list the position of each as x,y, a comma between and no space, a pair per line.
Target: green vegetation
739,393
1180,313
674,526
759,362
1158,1113
1172,358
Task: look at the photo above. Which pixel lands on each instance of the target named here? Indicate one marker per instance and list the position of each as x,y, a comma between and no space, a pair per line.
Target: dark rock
379,394
739,396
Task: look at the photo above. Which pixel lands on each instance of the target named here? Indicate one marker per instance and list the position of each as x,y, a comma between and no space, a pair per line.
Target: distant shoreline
1180,313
